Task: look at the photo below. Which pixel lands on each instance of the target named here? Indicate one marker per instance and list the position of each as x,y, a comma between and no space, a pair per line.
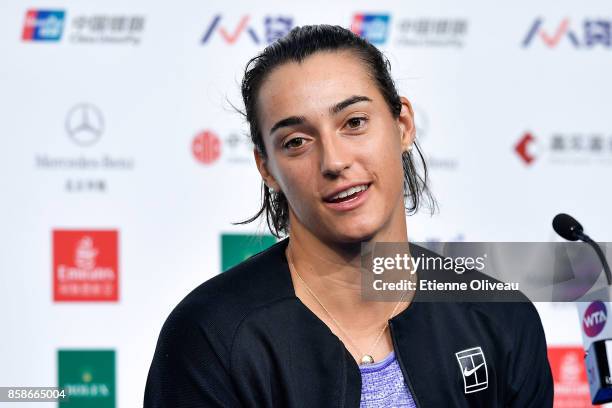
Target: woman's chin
354,233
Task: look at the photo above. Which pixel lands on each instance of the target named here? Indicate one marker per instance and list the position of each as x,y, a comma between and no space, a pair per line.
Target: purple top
383,385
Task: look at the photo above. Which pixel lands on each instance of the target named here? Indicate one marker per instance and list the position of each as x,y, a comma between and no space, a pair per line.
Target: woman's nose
335,157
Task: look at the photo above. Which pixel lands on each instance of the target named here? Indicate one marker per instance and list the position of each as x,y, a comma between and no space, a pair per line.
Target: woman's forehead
318,82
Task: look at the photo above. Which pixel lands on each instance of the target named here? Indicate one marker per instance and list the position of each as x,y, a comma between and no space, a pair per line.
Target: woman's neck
333,272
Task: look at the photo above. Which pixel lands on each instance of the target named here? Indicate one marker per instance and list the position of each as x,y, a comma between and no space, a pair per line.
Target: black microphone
567,226
599,353
570,229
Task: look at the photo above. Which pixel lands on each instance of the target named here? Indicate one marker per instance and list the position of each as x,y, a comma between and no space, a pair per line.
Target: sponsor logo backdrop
123,162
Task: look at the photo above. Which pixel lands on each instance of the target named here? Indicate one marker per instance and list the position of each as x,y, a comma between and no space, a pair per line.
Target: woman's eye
356,123
294,143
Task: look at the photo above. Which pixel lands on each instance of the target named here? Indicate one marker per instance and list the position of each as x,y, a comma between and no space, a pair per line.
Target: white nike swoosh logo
467,372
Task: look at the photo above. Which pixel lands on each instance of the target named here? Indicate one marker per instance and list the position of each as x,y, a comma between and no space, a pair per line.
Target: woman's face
327,131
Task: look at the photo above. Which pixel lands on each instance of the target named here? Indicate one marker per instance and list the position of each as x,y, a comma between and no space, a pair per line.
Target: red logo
85,265
570,378
206,147
523,147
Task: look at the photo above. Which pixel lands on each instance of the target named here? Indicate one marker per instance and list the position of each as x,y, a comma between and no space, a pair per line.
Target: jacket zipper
402,367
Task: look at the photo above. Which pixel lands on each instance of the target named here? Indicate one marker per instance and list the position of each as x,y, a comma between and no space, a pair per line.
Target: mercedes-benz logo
84,124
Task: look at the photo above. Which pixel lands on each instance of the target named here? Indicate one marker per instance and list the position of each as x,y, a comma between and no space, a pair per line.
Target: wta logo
43,25
594,320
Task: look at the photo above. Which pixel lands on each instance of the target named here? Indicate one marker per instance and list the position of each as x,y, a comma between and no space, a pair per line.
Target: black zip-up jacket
243,338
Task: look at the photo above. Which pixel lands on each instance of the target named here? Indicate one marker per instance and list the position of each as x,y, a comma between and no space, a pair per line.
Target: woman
288,327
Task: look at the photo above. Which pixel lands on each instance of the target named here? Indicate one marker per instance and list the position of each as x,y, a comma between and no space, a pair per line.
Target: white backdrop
149,86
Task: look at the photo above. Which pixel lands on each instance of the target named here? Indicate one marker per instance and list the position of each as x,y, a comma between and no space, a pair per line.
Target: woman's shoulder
221,303
510,313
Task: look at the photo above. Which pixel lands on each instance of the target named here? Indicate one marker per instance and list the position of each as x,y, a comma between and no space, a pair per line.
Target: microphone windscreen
566,226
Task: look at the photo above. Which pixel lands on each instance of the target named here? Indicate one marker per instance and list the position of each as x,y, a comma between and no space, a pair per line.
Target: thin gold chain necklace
365,358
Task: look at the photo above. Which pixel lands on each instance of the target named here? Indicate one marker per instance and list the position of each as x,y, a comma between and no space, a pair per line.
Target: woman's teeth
349,192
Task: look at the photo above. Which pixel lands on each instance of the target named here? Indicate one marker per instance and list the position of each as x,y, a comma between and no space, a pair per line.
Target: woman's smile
347,198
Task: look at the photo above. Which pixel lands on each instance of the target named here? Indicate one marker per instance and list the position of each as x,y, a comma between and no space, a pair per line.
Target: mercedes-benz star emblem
85,124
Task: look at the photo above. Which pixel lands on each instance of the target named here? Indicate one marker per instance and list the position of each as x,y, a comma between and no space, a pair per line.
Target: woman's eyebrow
347,102
290,121
298,120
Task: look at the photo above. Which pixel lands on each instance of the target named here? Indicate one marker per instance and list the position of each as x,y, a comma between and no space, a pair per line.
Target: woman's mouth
348,194
349,198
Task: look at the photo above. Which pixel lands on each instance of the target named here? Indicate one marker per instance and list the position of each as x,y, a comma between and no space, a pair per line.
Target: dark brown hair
300,43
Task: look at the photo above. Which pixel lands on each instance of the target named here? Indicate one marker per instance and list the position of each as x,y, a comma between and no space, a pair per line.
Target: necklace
365,358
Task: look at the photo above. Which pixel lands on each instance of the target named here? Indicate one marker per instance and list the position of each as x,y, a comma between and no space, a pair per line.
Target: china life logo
236,248
88,377
85,265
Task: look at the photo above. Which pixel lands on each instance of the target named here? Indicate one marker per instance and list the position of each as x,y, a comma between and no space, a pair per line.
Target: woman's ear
406,125
262,166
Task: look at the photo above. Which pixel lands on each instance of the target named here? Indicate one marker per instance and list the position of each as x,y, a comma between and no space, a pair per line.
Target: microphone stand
585,238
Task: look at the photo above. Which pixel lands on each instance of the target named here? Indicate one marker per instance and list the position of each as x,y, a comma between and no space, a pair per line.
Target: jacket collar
282,284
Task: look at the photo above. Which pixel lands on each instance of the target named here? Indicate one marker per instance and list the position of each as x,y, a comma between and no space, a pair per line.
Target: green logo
235,248
88,376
